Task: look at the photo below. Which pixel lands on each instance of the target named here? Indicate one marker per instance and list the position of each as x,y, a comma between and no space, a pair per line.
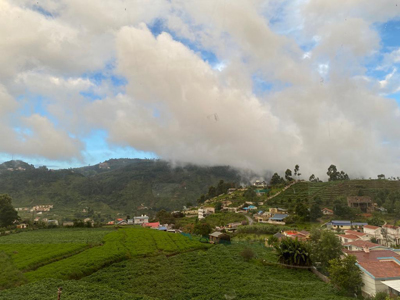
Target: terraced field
138,263
329,191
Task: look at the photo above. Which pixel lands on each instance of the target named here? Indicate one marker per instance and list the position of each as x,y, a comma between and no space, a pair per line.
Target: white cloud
182,108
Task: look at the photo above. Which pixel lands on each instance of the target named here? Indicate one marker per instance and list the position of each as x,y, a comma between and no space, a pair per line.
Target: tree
218,206
326,248
293,252
272,240
381,176
165,217
288,175
276,179
202,199
7,212
250,194
296,171
334,174
312,178
345,275
212,192
302,211
202,228
315,212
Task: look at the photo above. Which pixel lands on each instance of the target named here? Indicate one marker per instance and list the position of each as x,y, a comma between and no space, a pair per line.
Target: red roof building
151,225
379,267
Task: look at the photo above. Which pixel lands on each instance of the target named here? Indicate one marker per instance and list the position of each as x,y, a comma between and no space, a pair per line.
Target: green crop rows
57,236
27,256
72,290
219,273
118,245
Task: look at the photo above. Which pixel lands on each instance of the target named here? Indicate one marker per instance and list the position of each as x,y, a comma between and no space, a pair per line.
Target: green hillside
329,191
121,185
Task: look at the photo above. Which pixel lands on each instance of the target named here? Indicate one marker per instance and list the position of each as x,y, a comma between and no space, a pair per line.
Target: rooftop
361,244
355,233
349,236
382,269
373,255
371,227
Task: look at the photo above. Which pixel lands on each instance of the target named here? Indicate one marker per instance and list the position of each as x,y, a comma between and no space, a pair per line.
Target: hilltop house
364,203
326,211
68,224
22,226
140,220
204,212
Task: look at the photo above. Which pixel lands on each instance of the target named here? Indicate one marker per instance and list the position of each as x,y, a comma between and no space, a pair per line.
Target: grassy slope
57,236
118,246
72,290
329,191
216,274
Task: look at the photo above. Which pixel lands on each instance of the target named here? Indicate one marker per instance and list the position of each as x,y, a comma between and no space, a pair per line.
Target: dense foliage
293,252
325,248
57,236
126,185
219,273
72,290
7,212
118,245
29,256
261,229
345,275
10,276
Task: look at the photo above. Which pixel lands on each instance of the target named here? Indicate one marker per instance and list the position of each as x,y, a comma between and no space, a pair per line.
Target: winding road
251,221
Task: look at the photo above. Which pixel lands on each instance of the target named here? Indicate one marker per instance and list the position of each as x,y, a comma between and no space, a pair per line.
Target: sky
259,85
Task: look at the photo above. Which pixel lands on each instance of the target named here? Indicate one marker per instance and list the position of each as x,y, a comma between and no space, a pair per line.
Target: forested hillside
118,184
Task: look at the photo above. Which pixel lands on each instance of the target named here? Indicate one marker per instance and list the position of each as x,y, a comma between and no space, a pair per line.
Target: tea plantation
138,263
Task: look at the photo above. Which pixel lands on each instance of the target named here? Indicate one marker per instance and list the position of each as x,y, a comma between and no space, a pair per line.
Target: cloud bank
260,85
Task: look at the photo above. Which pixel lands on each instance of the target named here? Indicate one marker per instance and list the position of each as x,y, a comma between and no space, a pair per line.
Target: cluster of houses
36,208
143,221
379,263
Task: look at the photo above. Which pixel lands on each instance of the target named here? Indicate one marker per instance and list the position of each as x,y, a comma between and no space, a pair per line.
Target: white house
379,268
140,220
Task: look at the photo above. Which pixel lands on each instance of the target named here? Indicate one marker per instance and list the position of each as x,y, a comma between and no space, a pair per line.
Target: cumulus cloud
317,104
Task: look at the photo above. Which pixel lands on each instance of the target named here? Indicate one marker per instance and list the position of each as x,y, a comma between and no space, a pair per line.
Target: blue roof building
279,217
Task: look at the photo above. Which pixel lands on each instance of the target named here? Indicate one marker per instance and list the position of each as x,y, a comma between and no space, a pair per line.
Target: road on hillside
249,219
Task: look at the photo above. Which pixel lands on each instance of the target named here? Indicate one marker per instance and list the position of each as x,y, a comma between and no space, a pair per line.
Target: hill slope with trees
118,184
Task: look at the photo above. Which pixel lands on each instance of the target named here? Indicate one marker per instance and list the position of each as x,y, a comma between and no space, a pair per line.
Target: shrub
247,254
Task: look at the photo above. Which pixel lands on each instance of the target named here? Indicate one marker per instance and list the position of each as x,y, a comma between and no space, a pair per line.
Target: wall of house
372,286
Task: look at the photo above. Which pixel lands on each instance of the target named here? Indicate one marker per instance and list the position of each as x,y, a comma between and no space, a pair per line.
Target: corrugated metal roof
394,284
216,234
279,217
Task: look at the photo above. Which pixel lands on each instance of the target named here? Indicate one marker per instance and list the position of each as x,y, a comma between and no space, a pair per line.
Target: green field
30,256
139,263
57,236
218,273
119,245
72,290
